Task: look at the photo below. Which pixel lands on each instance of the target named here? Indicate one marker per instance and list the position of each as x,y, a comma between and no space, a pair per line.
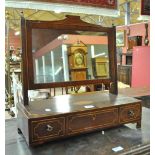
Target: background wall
141,67
135,30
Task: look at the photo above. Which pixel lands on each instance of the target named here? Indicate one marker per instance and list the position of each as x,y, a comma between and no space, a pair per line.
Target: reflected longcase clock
77,56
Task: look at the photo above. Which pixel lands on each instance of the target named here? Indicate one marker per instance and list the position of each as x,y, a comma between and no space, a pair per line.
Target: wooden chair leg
54,91
62,91
138,124
19,131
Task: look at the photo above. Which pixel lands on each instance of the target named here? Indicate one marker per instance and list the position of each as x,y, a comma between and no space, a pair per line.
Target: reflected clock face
79,59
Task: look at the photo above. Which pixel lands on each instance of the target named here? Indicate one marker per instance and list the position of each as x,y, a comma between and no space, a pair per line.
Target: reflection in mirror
60,56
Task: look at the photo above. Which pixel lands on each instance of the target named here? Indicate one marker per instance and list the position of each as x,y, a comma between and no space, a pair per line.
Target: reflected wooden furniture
100,70
100,67
68,115
77,55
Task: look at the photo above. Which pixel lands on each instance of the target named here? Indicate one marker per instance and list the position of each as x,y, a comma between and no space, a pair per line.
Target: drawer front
79,122
47,128
104,118
130,113
89,121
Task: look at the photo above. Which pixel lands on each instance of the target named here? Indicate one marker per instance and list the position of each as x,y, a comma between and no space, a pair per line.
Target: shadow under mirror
60,56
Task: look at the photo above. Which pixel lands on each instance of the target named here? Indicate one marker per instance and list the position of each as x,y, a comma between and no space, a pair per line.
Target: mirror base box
70,117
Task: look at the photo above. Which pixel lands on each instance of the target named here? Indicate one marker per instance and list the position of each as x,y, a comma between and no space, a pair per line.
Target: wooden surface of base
69,115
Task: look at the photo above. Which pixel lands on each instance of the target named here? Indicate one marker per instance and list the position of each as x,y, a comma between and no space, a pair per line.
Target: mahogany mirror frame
69,23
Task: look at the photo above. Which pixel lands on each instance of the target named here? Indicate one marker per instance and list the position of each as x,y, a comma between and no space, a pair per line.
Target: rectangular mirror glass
61,56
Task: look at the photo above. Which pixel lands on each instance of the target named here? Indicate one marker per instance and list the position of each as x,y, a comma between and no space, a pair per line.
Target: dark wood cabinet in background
124,73
124,70
128,58
134,41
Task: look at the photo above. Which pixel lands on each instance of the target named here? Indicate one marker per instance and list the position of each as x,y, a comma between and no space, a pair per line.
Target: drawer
91,120
105,118
79,122
130,113
47,128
